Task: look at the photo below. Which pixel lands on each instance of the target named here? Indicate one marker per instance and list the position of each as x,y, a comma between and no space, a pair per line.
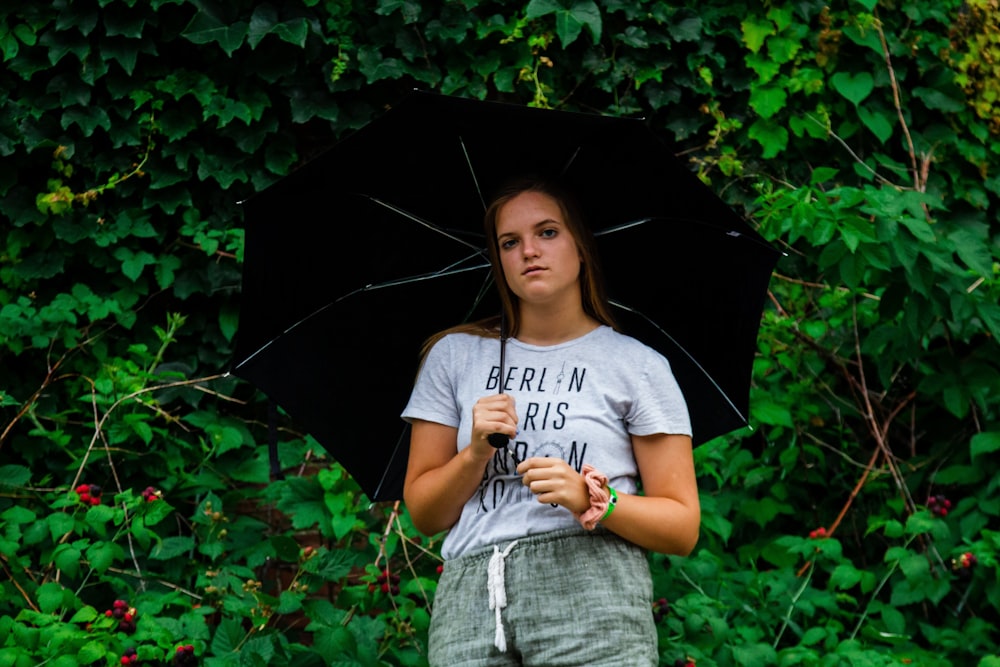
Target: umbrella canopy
353,260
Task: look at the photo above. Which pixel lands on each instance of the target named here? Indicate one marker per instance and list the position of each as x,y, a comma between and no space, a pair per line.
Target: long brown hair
592,291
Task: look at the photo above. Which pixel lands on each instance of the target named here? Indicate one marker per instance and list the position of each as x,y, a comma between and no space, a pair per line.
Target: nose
529,249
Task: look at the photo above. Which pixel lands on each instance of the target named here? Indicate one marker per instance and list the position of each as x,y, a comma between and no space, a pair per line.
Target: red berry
108,613
85,497
385,587
95,501
440,569
83,488
126,660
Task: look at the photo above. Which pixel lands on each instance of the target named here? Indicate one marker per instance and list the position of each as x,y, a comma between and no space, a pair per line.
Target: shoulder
623,344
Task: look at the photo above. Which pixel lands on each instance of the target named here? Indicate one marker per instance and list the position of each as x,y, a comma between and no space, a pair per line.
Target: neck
553,326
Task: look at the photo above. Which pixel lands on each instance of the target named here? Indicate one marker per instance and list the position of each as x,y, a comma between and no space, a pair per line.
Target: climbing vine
139,520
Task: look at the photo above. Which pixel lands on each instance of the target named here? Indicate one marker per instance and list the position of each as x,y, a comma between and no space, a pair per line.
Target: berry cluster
684,662
939,505
89,494
125,614
964,564
387,582
149,494
660,609
818,534
130,657
184,656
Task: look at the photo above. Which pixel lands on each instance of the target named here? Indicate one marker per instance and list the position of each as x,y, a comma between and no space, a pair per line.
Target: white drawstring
498,593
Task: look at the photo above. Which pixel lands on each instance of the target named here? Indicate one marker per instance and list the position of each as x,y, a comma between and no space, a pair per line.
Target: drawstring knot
497,589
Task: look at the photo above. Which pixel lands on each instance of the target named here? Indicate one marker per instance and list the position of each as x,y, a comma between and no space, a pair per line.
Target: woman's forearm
435,497
663,525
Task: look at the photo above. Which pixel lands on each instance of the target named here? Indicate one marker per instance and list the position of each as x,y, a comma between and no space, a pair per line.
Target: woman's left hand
554,481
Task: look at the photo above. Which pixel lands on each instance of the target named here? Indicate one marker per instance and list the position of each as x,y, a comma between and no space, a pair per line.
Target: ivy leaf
877,122
92,652
87,118
845,576
172,547
50,597
755,32
772,137
569,20
767,100
228,636
375,67
14,475
855,87
165,270
294,32
101,555
133,262
984,443
973,248
938,99
262,22
687,30
205,29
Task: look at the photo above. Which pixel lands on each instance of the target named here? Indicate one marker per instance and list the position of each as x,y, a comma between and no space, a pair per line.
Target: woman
545,558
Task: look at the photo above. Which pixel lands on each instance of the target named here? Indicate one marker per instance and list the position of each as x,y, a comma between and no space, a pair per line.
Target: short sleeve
658,404
434,393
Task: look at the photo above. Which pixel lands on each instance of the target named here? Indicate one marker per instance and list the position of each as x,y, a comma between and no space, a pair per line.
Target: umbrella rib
472,172
688,355
426,223
447,271
641,221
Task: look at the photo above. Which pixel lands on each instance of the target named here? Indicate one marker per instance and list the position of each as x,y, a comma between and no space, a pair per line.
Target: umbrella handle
498,440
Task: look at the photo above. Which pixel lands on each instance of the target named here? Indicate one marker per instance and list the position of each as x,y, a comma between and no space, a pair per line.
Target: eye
548,232
507,244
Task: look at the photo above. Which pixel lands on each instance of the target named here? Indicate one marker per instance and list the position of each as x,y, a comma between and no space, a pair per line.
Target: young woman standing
545,556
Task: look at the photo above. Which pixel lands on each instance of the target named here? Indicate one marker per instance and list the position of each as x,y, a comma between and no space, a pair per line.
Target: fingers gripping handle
499,440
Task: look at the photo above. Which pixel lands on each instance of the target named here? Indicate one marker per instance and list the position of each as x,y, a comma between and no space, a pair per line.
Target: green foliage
855,524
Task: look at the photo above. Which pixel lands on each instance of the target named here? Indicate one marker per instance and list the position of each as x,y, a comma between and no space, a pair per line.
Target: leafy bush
853,525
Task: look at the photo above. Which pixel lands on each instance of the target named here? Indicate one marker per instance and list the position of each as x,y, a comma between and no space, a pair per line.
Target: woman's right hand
439,477
492,414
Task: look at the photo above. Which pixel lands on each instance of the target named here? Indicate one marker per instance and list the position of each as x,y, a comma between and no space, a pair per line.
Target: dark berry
939,505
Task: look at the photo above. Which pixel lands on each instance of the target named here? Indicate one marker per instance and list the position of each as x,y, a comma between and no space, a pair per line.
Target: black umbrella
352,261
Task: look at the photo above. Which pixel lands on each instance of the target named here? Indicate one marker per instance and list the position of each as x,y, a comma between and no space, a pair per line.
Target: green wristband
612,502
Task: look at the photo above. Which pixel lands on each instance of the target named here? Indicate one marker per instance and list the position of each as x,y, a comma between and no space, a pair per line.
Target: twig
918,183
788,612
10,575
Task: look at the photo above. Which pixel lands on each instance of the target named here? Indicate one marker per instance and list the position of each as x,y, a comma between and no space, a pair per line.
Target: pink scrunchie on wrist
597,487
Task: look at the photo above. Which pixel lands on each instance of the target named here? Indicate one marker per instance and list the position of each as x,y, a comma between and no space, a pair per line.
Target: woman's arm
439,477
666,518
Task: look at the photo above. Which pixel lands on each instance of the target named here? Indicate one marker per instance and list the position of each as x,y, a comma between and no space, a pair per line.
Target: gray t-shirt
577,400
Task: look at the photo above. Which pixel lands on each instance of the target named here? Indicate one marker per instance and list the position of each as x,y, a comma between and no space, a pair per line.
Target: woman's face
539,255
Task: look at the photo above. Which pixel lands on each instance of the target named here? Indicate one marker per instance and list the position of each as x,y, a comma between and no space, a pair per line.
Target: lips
531,270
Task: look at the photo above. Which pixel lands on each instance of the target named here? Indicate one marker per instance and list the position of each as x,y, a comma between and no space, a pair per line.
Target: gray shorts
572,598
